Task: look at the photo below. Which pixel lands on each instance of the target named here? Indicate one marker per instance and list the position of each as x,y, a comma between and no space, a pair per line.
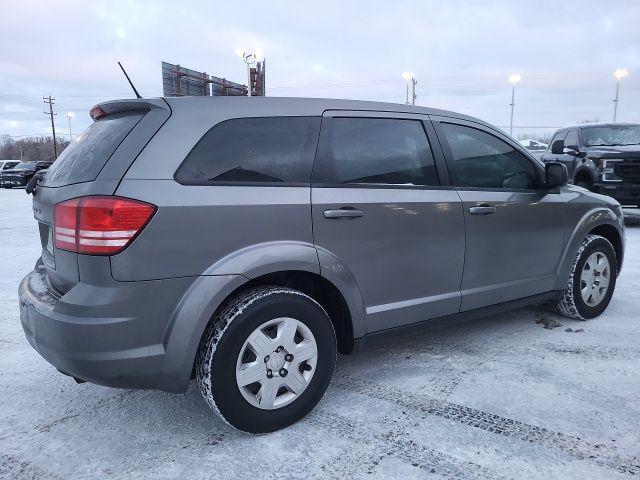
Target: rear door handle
344,212
482,210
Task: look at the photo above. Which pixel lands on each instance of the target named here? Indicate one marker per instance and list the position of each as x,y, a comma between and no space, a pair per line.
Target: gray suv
245,241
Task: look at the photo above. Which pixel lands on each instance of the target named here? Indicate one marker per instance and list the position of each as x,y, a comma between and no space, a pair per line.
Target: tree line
30,148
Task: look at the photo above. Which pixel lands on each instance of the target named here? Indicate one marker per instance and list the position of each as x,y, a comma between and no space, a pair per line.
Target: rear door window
265,150
376,151
89,152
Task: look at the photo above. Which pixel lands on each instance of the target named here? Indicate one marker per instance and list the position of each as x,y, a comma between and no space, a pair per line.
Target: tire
573,303
226,348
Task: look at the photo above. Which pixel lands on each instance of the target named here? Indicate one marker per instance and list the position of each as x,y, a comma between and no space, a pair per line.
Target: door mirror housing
557,147
556,174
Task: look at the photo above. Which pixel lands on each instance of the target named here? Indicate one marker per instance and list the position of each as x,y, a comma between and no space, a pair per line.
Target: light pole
249,58
619,74
69,116
513,78
408,77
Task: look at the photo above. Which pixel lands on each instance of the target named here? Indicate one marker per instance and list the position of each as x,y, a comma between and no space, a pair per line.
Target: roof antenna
129,80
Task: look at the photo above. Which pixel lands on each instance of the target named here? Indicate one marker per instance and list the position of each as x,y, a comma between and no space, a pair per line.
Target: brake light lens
100,225
97,113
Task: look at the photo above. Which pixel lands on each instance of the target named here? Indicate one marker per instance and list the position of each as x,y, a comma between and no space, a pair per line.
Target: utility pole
51,113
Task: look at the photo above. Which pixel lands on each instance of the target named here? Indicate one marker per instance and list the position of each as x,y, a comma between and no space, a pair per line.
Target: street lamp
408,77
619,74
513,78
69,116
249,58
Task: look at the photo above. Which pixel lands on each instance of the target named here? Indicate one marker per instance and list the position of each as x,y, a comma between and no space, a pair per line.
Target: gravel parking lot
526,394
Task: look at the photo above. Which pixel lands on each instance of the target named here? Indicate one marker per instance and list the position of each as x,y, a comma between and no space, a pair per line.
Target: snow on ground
501,397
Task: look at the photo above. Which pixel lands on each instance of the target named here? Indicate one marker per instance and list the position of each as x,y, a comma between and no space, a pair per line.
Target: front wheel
266,359
592,280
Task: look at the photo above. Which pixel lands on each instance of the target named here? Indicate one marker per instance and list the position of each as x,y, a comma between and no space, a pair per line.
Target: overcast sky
461,53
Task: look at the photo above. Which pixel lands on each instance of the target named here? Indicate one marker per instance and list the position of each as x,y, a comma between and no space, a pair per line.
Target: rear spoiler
119,106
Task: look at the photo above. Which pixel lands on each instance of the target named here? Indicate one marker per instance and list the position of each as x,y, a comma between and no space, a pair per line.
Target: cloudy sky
461,53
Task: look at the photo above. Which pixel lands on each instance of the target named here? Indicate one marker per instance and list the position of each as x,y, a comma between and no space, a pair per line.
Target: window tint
276,149
376,151
571,139
483,161
89,152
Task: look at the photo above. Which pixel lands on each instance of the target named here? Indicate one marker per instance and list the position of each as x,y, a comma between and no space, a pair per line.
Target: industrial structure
178,81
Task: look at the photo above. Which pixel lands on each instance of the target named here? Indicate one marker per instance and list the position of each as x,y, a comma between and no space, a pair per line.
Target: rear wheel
592,280
266,359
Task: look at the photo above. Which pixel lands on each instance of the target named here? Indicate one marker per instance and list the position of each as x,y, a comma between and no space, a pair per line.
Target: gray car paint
407,260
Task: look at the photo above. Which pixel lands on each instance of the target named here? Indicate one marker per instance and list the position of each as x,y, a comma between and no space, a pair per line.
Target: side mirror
557,147
556,174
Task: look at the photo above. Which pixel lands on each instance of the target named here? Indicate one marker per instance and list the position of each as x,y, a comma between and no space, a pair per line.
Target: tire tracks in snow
600,454
16,469
379,445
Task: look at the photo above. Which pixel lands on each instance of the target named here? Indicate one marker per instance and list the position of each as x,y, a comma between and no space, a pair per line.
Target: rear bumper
626,194
113,335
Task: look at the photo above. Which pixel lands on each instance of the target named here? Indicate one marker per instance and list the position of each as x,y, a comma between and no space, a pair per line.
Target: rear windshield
88,153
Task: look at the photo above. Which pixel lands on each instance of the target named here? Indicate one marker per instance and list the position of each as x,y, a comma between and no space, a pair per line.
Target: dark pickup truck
20,175
601,157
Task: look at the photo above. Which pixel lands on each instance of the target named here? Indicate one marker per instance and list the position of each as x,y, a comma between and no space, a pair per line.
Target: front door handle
344,212
482,210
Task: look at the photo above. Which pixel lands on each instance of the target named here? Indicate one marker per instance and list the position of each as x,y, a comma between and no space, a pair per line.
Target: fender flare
209,290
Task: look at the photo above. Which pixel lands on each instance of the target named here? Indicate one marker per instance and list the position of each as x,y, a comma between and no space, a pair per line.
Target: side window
481,160
273,150
571,139
376,151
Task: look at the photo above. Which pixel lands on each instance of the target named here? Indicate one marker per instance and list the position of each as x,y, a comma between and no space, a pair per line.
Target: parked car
246,240
534,146
7,164
19,175
601,157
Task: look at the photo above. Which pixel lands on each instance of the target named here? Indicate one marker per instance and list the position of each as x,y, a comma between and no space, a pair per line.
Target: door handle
482,210
344,212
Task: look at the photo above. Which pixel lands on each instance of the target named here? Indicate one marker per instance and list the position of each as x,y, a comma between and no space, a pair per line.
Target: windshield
611,135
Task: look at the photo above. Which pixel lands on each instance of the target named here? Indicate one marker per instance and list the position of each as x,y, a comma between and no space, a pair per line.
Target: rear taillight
99,225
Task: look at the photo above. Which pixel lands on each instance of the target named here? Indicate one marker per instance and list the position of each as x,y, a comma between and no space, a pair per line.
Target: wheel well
611,234
322,291
583,176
